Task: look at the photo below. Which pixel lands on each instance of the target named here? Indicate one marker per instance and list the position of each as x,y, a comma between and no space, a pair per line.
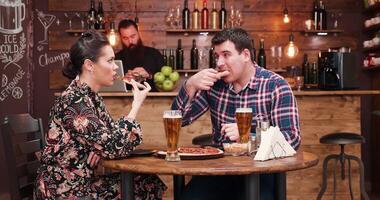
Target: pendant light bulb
113,36
291,50
286,16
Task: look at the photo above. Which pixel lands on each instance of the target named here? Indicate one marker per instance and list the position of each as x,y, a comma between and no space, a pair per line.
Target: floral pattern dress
79,124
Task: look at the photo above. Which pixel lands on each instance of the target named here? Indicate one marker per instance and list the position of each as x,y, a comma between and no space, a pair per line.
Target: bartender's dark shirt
147,57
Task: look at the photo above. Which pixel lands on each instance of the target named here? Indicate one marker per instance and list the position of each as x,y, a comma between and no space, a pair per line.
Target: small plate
194,156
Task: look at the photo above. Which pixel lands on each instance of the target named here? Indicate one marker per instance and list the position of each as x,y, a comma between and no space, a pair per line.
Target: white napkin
273,145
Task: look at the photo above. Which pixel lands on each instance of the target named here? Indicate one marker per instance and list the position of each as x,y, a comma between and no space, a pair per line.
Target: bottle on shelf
195,17
211,59
313,78
322,16
91,16
261,58
171,58
316,15
186,16
164,55
214,16
305,69
179,55
204,16
253,51
194,56
223,15
100,21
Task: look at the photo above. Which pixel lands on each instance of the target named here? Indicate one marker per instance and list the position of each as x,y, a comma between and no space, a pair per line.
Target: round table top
227,165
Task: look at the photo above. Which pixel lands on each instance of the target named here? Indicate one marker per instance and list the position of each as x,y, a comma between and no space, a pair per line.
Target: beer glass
244,120
172,124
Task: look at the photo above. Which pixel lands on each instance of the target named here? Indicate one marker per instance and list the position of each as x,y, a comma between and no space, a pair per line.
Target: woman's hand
93,159
140,92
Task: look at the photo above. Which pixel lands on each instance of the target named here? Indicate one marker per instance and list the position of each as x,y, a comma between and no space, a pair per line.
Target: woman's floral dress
80,124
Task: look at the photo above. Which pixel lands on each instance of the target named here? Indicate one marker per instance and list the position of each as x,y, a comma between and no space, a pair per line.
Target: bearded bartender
136,57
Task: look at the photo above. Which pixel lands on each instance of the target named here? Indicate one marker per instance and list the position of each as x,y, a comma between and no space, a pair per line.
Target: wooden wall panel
319,115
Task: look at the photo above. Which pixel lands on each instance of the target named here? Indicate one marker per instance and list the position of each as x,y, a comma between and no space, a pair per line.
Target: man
135,55
237,82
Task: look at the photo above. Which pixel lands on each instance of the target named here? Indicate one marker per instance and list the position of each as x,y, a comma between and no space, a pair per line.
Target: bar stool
342,139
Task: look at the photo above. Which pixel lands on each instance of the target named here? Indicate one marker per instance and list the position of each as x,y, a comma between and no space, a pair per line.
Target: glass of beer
172,123
244,120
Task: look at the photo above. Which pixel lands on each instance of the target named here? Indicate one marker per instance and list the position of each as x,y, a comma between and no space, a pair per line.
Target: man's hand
203,80
230,131
93,159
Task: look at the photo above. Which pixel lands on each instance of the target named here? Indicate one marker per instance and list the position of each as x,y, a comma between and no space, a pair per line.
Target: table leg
178,185
252,184
127,192
280,186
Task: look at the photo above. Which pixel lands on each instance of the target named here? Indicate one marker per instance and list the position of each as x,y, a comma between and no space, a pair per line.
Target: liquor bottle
316,15
204,16
194,56
164,55
322,16
314,74
261,58
253,51
186,16
91,16
306,69
214,16
212,60
222,16
195,17
179,55
171,58
100,21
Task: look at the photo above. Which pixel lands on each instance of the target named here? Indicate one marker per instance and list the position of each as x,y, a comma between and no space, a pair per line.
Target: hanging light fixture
286,14
113,36
291,50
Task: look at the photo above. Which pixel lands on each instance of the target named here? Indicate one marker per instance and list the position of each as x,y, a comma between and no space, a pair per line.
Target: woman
81,130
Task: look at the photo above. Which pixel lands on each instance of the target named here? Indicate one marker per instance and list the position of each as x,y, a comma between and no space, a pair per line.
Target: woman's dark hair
125,23
88,46
238,36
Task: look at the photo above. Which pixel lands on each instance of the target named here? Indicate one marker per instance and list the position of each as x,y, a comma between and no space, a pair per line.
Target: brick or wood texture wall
319,115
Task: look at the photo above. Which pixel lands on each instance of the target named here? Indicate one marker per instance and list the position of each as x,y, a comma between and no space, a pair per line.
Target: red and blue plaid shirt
267,93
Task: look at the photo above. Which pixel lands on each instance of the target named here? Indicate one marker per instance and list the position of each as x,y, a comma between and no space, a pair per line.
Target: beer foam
243,110
172,116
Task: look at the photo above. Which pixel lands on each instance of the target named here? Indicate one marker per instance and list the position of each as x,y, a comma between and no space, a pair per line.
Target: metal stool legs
342,157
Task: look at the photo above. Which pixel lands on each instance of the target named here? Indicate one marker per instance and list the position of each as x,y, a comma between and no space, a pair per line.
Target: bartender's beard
135,50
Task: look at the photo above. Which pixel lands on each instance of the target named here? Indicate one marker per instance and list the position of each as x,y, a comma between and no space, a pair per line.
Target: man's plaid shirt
267,93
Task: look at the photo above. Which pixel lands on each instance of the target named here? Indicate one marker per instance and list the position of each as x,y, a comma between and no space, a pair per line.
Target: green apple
159,77
174,76
166,70
167,85
158,85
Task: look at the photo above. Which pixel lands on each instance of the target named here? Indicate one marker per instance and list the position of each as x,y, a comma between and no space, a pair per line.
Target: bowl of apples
166,79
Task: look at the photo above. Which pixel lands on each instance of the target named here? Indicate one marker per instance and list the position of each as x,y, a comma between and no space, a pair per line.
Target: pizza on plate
199,150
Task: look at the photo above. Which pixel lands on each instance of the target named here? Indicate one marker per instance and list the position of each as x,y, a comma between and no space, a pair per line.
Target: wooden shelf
77,32
186,32
187,70
334,32
372,28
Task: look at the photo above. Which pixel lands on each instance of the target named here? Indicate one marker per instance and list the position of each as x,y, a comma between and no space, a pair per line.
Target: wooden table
227,165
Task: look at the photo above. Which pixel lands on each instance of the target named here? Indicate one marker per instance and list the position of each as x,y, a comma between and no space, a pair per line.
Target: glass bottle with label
186,16
100,20
204,16
171,58
223,15
194,56
261,58
179,55
212,60
195,17
91,16
214,16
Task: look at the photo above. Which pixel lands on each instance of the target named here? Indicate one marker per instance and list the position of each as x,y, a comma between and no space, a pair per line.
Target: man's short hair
125,23
238,36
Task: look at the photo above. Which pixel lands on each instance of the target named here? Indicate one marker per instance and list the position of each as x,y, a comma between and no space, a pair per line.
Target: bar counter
321,112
